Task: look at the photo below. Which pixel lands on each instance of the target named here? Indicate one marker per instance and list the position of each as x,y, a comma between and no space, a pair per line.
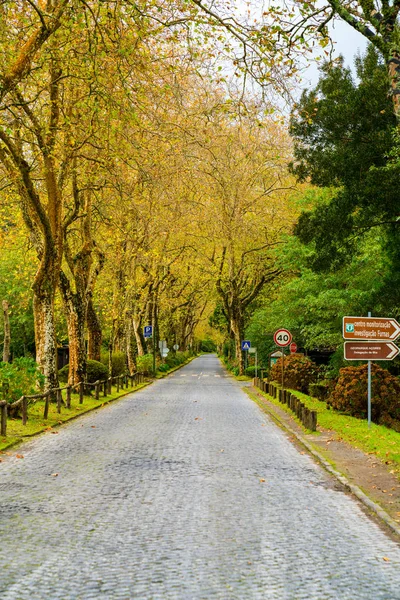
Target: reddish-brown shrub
350,394
300,371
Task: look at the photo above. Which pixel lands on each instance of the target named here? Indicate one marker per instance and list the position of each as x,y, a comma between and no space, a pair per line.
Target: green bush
319,390
164,368
145,364
118,361
95,371
300,371
350,394
251,371
207,346
22,377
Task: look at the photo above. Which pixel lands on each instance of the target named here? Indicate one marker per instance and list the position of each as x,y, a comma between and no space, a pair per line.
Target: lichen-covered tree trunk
394,78
131,359
75,310
94,332
237,328
7,333
45,336
140,342
77,350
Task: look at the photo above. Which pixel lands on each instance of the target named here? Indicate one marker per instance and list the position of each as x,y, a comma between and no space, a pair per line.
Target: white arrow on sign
394,350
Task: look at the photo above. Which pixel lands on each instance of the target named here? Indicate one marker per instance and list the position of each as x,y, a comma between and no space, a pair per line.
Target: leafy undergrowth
36,423
161,374
378,440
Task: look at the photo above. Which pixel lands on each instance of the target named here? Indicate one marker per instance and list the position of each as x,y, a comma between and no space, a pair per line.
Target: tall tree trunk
140,342
45,336
394,78
74,306
129,347
94,332
237,330
111,347
7,333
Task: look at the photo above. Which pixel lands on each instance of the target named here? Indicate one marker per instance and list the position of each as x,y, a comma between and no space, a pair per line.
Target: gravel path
184,490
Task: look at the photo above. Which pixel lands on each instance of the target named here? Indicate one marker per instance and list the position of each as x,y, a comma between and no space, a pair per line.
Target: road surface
183,490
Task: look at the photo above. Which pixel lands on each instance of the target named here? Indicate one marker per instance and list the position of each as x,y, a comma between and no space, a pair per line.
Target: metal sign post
369,388
254,351
154,349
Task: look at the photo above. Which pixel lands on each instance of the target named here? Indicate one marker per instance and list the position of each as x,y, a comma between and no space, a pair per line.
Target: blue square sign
246,345
148,331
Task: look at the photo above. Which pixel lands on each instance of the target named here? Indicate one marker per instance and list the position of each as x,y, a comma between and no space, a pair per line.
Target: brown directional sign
370,328
370,350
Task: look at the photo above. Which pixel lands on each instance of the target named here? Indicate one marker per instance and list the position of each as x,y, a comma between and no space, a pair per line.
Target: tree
311,305
247,210
377,21
342,136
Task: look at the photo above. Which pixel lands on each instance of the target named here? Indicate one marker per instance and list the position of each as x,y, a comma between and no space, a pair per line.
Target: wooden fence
100,387
305,415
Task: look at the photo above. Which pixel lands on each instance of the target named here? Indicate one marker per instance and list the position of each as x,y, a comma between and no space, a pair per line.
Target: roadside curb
354,489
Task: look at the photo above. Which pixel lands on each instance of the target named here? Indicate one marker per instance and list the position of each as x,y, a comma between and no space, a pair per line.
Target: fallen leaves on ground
386,559
54,474
19,456
262,480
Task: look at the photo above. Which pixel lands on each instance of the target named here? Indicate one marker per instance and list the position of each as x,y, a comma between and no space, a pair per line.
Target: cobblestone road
161,496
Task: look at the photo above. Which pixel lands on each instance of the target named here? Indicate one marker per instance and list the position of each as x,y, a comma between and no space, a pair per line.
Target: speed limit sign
282,337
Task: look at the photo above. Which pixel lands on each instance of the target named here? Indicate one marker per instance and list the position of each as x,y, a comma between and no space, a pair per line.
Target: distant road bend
184,490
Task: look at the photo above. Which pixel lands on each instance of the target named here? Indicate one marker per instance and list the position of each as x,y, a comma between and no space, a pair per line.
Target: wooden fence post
68,396
105,385
24,405
313,420
110,385
3,430
81,390
97,389
46,405
118,378
59,398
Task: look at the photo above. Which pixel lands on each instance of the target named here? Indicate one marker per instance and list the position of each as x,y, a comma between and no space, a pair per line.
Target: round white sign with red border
293,347
282,337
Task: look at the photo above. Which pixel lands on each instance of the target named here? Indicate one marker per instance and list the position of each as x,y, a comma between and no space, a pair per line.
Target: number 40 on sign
282,337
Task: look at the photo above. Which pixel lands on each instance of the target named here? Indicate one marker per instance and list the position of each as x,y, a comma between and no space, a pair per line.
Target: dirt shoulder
366,471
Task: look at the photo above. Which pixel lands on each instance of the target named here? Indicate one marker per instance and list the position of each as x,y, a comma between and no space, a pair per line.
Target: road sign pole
283,368
369,388
256,363
369,392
